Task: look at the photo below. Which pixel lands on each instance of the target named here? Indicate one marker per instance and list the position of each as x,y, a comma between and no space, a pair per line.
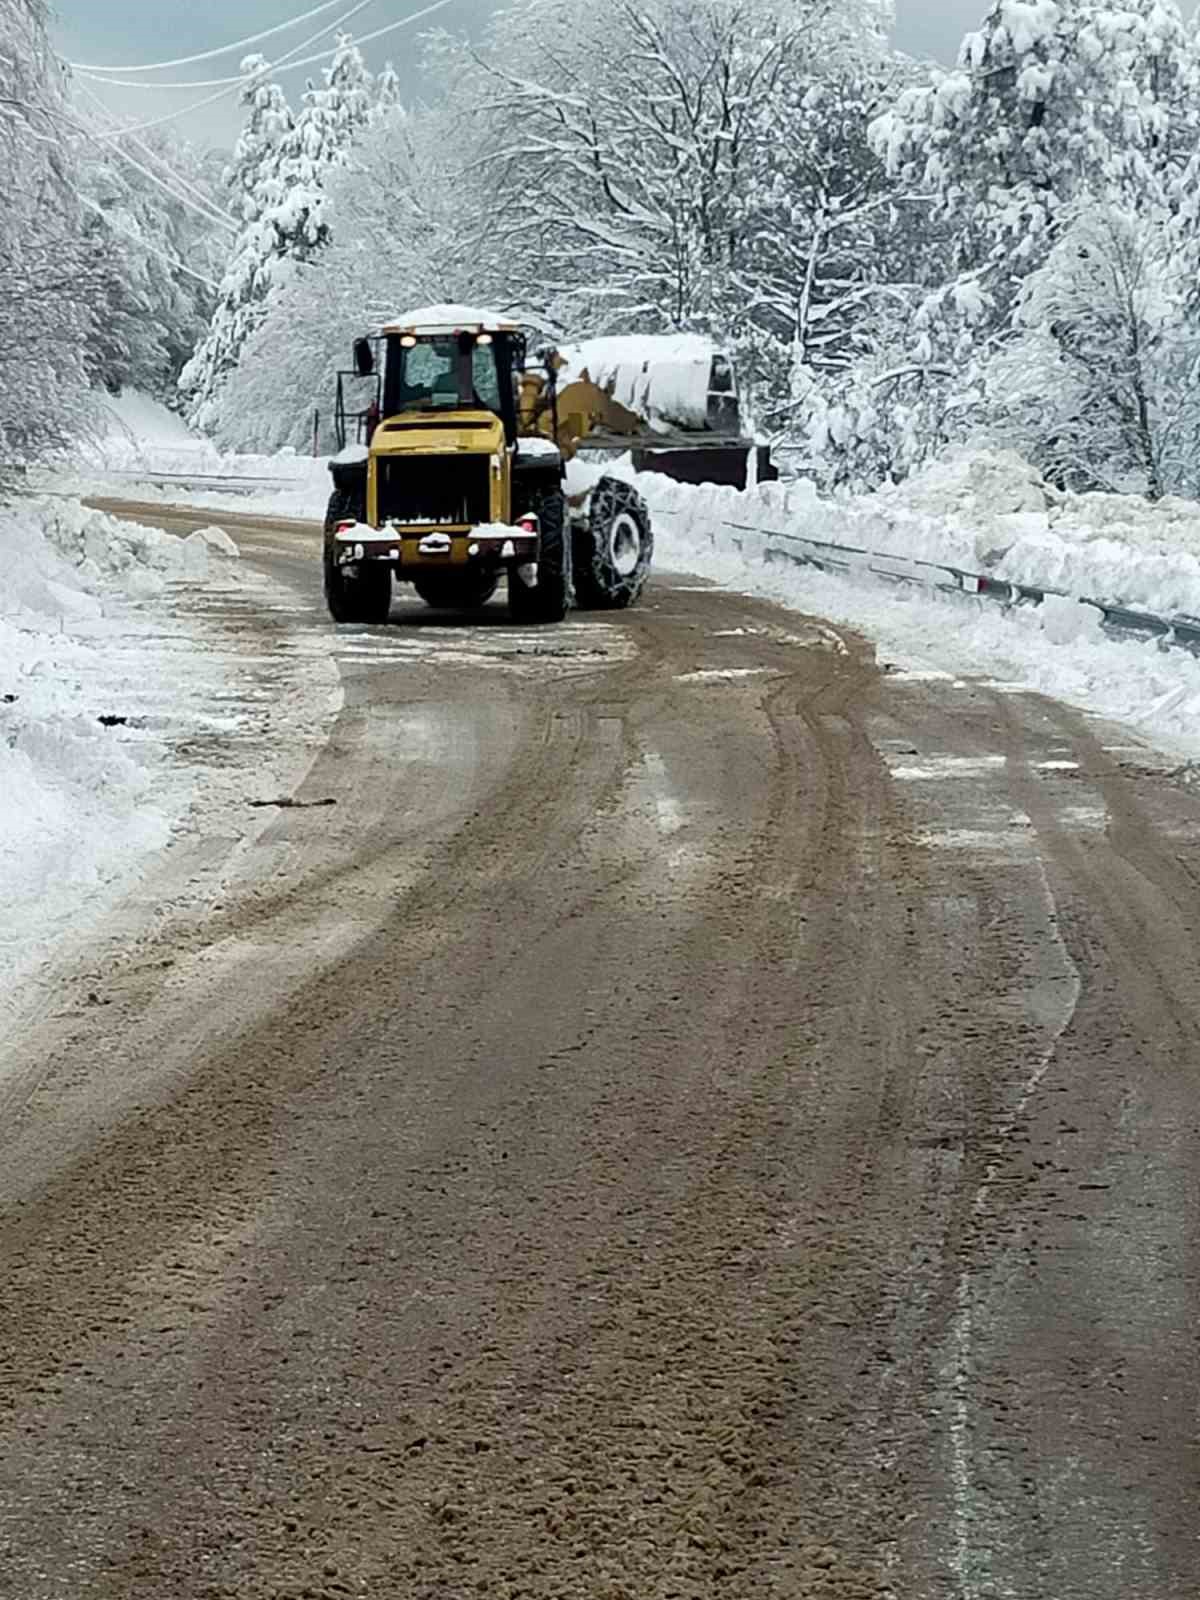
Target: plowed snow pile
983,511
82,658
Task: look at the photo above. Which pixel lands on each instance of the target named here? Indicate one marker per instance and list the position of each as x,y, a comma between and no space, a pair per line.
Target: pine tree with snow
328,122
254,178
346,100
289,160
256,154
387,91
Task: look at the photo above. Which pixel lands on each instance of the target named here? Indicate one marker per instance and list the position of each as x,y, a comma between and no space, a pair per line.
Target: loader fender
349,472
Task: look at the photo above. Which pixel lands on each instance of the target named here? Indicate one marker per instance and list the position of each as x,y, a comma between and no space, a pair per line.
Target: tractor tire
613,548
366,597
465,593
549,596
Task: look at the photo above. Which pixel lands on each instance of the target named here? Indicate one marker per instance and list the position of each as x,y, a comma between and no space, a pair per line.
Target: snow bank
983,512
102,553
77,807
991,512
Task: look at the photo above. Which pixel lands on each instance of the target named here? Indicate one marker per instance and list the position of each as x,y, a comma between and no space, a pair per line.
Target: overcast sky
129,32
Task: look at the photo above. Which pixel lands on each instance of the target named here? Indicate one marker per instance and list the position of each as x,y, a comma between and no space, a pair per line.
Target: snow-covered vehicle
455,478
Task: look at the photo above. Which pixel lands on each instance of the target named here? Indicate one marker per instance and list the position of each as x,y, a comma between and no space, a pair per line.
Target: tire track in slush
965,1509
609,1213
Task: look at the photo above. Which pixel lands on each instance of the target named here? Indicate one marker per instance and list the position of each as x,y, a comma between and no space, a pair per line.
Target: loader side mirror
364,358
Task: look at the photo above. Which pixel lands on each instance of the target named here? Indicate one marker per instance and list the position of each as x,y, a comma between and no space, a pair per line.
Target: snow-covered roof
449,319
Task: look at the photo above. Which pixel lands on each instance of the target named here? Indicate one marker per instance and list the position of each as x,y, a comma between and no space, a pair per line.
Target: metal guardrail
1174,632
180,480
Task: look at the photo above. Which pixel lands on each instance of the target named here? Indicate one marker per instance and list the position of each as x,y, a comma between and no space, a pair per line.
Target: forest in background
899,257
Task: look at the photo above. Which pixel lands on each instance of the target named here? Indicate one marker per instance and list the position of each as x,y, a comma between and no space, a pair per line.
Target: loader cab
451,359
434,368
430,374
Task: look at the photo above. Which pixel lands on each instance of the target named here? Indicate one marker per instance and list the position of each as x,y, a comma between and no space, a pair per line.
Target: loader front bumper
424,548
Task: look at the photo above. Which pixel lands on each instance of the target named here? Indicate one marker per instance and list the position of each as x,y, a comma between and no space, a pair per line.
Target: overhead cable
211,55
241,77
266,70
269,70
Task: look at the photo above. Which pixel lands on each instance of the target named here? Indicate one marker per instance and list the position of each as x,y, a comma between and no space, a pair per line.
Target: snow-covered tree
1051,99
345,103
613,142
252,178
387,90
1052,103
1101,388
290,160
407,231
47,275
256,154
329,120
832,248
156,236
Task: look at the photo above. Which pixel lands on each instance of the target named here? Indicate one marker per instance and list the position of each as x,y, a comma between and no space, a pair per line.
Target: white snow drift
82,796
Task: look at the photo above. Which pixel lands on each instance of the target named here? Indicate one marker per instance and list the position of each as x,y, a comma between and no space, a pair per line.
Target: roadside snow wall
75,806
985,515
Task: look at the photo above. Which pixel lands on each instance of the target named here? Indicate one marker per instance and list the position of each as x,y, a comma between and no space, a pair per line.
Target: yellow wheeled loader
455,478
456,468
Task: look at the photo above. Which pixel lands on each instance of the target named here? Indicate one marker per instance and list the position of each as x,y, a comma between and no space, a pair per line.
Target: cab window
428,377
484,379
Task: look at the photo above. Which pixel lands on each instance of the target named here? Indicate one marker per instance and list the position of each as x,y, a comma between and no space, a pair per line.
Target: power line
272,69
223,83
211,55
276,67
